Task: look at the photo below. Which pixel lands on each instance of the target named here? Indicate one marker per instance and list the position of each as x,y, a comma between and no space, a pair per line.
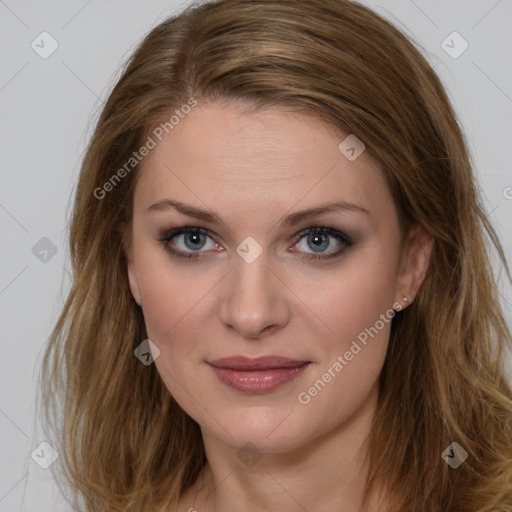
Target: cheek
356,307
166,294
351,298
344,380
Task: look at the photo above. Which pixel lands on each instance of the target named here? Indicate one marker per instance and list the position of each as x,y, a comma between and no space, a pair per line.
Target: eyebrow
290,220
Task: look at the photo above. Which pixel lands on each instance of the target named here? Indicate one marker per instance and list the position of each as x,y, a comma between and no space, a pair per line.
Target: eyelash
341,237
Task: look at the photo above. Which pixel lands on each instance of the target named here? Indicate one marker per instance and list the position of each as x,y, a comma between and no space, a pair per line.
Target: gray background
47,110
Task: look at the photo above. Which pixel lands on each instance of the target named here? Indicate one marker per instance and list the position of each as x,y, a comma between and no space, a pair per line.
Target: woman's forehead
222,152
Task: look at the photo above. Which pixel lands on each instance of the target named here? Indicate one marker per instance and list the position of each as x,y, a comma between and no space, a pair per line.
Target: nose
253,299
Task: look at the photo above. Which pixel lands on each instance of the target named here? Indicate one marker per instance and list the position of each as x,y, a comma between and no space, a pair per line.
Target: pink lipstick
258,376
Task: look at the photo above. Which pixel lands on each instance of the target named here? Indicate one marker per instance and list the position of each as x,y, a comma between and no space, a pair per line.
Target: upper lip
259,363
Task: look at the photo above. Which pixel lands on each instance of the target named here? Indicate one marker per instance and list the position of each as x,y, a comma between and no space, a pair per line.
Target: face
272,325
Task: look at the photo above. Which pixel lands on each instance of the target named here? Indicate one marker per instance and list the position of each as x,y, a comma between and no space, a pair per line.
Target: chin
269,429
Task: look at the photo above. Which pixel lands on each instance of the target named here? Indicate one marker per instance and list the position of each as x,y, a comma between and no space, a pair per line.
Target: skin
253,170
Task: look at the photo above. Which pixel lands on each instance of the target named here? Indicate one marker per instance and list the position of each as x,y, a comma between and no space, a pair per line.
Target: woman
282,298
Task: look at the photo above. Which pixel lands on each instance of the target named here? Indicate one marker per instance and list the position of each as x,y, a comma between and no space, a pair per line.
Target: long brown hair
125,443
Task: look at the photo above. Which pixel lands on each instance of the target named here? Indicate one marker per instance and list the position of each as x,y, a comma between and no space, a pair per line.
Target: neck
321,474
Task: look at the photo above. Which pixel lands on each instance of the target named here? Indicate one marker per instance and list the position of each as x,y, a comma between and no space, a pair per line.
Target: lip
259,375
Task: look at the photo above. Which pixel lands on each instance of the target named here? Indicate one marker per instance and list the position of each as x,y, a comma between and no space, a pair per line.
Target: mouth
257,376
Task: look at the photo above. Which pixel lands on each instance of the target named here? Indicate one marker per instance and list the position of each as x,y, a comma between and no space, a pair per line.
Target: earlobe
414,265
132,279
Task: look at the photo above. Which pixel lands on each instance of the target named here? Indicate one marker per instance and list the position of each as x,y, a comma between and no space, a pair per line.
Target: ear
132,274
416,253
132,279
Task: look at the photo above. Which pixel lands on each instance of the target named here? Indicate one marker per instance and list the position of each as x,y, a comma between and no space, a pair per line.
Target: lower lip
258,381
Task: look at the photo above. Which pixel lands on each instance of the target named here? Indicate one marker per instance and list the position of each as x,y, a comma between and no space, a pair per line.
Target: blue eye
319,238
195,238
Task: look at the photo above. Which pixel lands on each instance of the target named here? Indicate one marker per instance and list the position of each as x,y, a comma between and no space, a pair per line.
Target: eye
193,239
319,238
187,242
